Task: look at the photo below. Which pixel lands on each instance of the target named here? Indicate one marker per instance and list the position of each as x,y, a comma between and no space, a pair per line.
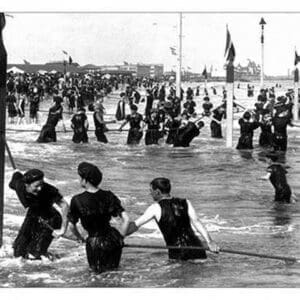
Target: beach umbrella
106,76
53,72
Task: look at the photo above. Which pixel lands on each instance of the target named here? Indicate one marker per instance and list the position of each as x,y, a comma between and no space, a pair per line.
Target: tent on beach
15,70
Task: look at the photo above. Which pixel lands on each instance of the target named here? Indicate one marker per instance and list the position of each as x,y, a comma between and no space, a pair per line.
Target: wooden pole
229,104
3,67
231,251
296,96
262,23
262,60
178,75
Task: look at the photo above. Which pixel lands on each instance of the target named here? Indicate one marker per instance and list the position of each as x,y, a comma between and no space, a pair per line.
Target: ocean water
223,185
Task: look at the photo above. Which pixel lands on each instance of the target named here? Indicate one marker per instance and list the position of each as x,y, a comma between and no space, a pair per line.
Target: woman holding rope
174,217
94,208
45,205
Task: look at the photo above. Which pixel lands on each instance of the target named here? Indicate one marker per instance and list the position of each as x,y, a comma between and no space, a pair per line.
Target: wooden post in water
178,75
296,95
230,55
262,23
229,104
3,67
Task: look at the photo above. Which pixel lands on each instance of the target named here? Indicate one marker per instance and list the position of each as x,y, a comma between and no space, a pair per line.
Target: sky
112,38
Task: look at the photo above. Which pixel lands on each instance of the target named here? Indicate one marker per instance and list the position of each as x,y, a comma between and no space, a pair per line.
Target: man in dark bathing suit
95,208
174,217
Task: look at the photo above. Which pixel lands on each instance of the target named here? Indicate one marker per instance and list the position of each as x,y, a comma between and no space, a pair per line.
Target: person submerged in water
175,217
247,128
95,208
45,205
277,176
153,126
80,125
216,122
100,124
187,133
48,133
135,132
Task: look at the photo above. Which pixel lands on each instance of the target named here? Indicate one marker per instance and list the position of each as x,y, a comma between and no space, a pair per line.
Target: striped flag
229,47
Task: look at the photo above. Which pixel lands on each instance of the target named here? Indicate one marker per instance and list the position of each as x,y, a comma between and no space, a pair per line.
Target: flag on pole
229,56
204,73
173,51
70,60
26,62
297,58
229,47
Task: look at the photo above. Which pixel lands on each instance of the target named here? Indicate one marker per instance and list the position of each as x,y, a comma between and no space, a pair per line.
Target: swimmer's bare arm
201,229
75,231
86,124
217,121
124,223
63,209
266,177
152,212
123,124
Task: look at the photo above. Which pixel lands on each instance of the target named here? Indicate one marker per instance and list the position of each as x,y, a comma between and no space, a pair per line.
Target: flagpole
230,55
296,88
3,67
178,75
229,104
262,23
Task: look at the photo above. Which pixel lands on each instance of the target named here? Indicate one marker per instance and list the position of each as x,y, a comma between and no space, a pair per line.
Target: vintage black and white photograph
149,149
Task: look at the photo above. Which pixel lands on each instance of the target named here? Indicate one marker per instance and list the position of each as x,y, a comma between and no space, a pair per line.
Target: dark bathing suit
80,133
104,243
134,133
100,129
278,180
34,238
176,229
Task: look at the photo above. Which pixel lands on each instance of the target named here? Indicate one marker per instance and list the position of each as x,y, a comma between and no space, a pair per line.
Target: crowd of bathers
165,116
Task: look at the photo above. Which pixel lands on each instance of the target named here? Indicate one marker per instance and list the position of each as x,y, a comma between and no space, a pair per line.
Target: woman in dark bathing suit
95,208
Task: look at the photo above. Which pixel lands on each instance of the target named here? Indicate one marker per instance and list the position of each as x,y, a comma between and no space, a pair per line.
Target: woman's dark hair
90,173
133,107
161,183
247,115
